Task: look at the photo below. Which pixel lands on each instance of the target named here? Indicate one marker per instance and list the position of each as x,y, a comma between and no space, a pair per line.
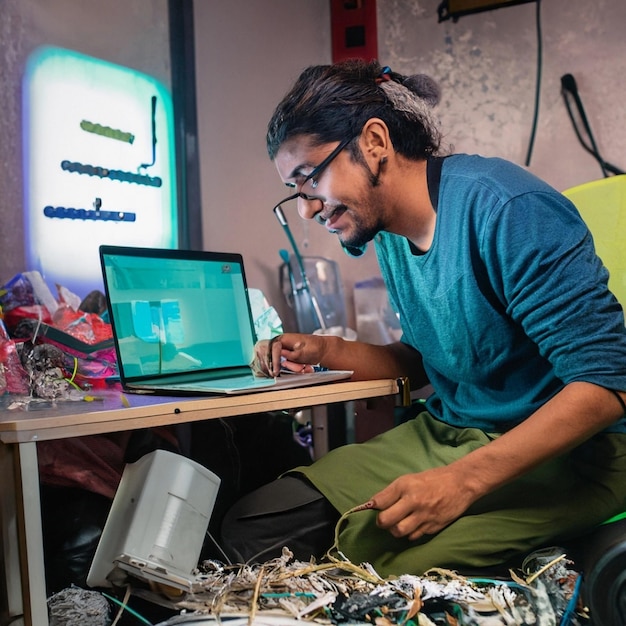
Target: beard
361,234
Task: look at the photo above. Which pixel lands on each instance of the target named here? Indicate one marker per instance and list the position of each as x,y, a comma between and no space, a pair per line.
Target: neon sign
99,164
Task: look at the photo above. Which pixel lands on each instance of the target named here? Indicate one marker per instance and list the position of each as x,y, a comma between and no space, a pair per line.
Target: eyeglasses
312,177
318,169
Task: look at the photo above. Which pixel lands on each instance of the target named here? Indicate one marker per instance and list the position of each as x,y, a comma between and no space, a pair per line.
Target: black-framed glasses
311,177
278,209
318,169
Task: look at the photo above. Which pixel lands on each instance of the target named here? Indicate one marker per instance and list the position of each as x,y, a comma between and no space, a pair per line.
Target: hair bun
425,87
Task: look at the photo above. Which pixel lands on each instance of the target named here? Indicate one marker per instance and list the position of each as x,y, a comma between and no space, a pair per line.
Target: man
505,311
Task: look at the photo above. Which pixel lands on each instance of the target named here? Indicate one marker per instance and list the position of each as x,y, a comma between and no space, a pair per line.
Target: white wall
249,53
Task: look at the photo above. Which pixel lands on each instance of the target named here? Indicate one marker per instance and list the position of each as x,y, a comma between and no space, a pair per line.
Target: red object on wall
353,29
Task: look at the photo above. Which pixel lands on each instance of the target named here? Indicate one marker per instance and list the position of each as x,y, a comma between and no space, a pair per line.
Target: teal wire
566,619
141,618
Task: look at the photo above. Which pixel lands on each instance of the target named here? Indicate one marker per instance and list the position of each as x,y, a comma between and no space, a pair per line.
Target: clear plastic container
318,302
376,321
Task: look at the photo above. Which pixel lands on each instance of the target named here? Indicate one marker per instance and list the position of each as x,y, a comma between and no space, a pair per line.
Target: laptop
182,323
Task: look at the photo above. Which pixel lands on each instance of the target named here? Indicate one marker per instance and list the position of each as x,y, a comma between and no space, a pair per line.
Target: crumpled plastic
50,349
26,295
86,327
267,323
13,377
25,290
31,311
54,373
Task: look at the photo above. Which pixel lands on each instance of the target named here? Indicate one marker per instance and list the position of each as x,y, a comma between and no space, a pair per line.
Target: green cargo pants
559,500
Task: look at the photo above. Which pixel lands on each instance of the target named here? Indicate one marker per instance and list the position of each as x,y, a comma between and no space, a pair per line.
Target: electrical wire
219,547
533,131
573,92
569,90
123,606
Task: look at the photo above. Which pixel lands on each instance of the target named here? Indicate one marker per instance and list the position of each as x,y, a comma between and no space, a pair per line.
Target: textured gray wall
486,66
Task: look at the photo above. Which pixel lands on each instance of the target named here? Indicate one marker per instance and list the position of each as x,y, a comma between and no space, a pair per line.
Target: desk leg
322,438
319,423
11,599
22,534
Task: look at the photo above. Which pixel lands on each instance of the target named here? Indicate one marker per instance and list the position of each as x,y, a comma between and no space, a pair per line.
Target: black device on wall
453,9
353,29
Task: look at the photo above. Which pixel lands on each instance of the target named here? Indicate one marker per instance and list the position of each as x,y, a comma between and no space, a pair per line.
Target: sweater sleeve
542,263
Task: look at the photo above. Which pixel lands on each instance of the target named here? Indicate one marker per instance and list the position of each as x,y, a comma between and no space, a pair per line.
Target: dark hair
333,102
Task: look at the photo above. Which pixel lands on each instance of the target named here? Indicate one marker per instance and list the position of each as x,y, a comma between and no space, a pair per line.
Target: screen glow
99,165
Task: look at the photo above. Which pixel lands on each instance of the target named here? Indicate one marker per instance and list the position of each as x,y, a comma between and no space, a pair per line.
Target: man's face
340,195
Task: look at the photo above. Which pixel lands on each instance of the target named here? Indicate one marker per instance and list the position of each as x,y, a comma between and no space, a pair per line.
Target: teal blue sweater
510,303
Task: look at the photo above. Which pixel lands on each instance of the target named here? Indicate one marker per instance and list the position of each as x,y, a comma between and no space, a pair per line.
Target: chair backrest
602,204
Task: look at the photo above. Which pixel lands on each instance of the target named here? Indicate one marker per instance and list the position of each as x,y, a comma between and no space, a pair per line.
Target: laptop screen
176,311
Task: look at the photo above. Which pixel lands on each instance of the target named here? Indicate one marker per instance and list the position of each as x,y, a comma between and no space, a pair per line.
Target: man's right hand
295,352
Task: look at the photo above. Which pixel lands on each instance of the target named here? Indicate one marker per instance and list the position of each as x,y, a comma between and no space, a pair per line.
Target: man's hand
421,504
298,352
294,352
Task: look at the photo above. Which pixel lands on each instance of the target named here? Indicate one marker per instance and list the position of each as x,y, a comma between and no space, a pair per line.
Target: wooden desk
22,428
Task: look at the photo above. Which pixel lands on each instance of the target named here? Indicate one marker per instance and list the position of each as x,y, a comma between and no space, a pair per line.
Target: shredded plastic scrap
342,593
78,607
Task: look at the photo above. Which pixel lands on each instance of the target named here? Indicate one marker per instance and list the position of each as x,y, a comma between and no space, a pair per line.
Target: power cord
569,91
533,131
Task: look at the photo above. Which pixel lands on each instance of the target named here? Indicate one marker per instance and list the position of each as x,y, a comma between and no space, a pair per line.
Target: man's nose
309,206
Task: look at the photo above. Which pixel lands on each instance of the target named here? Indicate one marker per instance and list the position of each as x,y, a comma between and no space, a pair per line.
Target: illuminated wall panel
99,164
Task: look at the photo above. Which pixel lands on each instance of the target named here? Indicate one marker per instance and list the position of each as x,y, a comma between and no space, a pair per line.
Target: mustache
323,216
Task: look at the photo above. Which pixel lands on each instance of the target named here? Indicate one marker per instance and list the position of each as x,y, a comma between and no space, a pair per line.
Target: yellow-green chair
602,204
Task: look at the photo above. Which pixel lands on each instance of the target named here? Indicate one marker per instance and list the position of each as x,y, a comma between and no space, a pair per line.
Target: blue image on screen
173,315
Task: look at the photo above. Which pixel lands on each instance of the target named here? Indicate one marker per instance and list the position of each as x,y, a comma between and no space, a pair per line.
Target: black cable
570,89
575,125
533,131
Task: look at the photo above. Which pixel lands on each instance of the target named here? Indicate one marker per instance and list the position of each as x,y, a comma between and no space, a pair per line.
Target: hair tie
385,75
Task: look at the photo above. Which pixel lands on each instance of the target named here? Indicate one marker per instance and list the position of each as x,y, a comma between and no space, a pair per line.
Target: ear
374,140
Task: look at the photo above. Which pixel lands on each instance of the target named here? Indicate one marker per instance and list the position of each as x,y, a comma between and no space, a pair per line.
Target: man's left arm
424,503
